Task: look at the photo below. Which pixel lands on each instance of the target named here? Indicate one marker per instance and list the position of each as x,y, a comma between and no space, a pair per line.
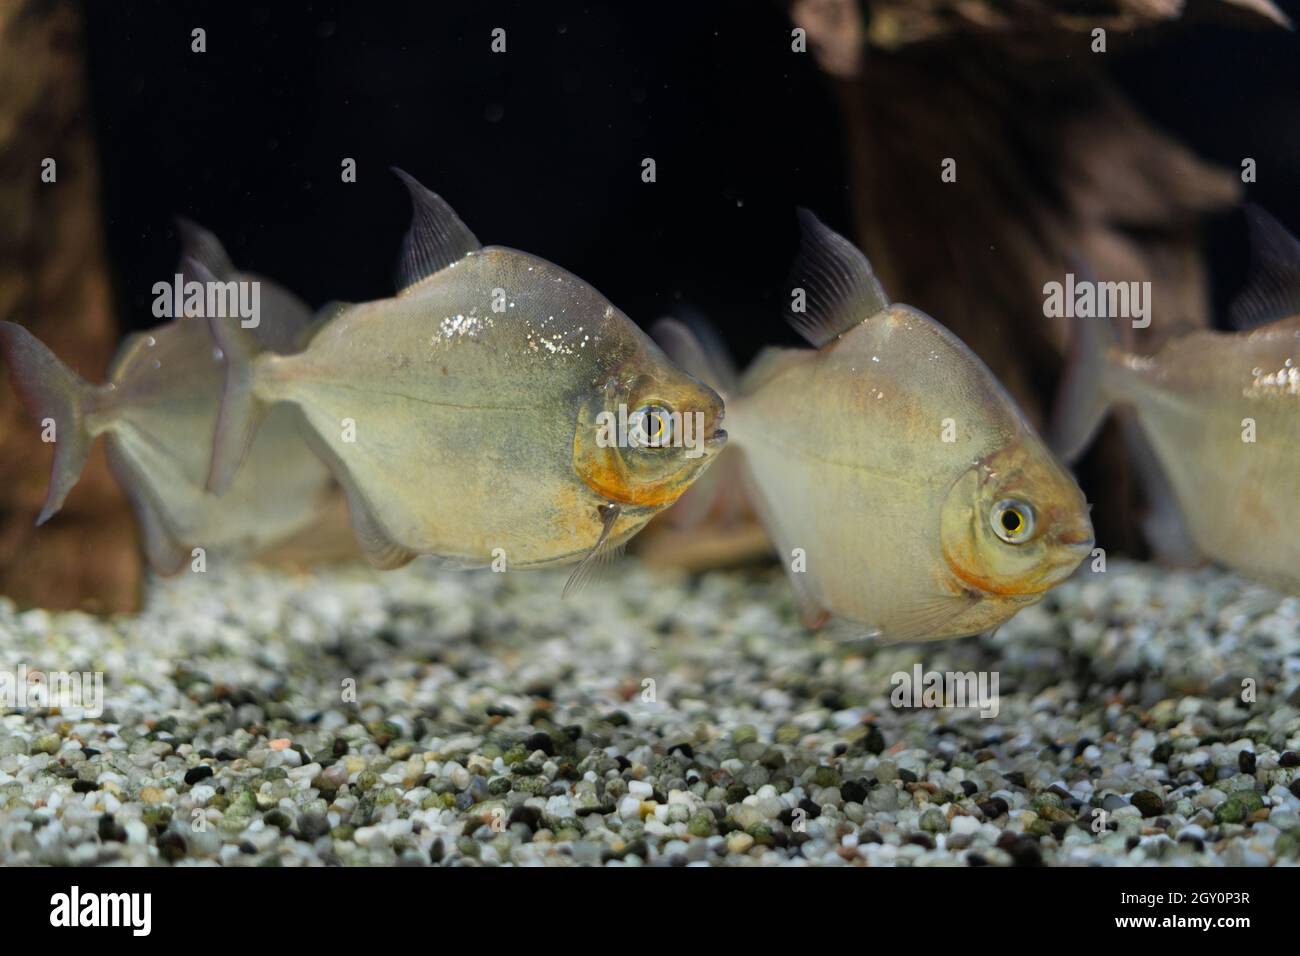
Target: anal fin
165,554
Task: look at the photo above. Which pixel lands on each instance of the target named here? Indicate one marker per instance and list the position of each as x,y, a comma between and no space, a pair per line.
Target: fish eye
651,425
1013,521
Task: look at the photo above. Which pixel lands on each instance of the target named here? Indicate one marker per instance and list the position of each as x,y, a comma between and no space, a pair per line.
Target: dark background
540,148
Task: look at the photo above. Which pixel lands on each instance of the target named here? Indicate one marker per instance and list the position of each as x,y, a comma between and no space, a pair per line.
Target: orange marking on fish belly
1013,589
610,483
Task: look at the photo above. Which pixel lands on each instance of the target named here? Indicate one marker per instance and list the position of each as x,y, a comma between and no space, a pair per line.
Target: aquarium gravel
423,717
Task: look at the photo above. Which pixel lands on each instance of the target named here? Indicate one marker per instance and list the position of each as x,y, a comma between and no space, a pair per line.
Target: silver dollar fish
903,488
468,418
1221,414
158,413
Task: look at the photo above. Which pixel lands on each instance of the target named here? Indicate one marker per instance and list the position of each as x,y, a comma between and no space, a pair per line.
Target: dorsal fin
1272,289
436,239
839,288
203,247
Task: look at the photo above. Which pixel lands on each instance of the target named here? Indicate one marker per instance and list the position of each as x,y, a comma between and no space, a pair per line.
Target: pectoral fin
600,555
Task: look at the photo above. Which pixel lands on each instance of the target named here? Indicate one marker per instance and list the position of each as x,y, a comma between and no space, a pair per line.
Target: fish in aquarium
905,491
1219,412
158,414
466,417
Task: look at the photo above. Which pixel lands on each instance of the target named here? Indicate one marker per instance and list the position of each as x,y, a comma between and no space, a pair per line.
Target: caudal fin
56,397
241,410
1083,398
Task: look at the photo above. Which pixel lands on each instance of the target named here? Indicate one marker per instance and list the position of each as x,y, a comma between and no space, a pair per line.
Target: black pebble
436,851
1288,759
812,809
993,808
874,742
1015,778
195,774
530,816
969,787
171,845
1022,850
855,791
921,839
1246,762
541,741
109,829
906,776
686,750
84,786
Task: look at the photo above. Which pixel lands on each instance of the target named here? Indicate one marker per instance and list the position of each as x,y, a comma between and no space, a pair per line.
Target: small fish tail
1085,394
242,410
58,398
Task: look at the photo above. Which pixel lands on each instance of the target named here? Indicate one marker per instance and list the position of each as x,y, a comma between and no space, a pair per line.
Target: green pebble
47,744
1047,799
826,777
701,824
744,734
1232,810
275,773
934,821
532,785
156,816
498,786
1039,827
788,734
342,832
366,779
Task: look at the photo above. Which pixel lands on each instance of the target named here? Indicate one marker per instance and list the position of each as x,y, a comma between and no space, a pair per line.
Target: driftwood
53,279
